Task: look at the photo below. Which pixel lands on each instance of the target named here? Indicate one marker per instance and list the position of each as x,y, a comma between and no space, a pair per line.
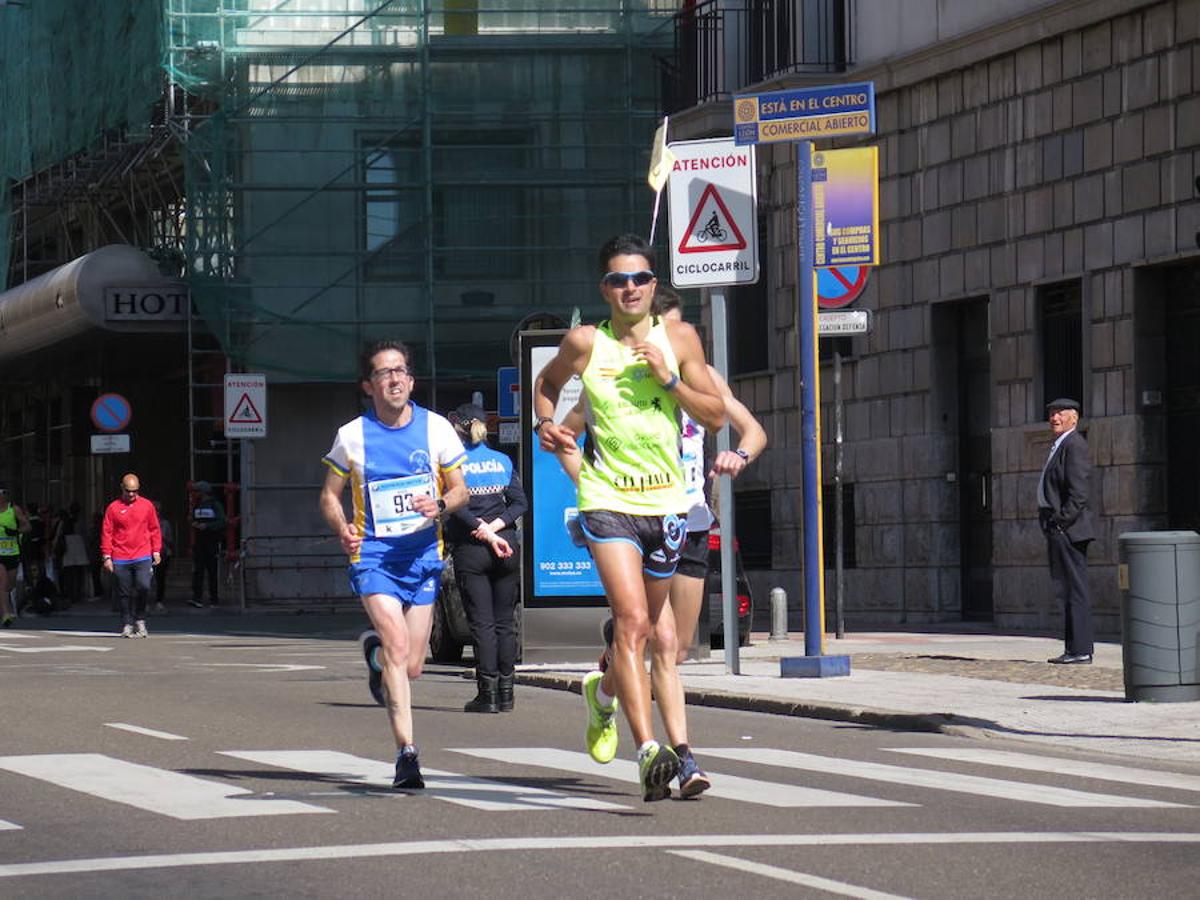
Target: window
479,214
1061,307
749,320
753,514
829,525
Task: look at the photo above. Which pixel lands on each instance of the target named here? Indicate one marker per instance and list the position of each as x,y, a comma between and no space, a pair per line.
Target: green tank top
631,461
9,545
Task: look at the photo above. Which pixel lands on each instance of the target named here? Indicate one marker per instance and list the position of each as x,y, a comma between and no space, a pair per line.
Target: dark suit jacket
1068,487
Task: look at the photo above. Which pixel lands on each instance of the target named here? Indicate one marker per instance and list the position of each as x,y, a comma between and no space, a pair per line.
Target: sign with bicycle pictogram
713,201
245,405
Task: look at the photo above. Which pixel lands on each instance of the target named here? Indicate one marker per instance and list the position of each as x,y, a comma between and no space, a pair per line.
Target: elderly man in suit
1066,518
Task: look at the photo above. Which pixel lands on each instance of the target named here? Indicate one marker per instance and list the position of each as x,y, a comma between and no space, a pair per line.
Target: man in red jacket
130,546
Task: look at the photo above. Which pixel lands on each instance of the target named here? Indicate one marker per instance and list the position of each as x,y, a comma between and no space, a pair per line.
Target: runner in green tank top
637,373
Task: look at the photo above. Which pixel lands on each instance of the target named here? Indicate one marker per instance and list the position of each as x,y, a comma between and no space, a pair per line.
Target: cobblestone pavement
1093,677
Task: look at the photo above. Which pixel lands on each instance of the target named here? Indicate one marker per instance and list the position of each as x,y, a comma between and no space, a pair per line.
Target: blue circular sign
111,412
840,285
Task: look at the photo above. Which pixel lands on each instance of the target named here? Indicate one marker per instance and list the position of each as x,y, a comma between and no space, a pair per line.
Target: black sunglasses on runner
620,279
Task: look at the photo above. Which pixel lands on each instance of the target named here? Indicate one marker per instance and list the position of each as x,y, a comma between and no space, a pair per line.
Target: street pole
838,456
808,401
716,298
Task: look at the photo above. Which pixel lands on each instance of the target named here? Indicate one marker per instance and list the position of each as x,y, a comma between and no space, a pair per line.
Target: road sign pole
733,664
808,401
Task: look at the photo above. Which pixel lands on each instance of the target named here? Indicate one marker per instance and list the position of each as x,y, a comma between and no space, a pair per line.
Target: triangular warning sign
245,413
711,228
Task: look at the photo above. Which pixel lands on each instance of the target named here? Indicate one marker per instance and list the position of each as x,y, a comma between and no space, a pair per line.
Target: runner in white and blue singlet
404,466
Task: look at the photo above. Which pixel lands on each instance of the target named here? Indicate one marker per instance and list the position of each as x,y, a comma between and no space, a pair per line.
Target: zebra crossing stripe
9,826
730,787
145,787
464,790
937,780
1056,765
148,732
827,885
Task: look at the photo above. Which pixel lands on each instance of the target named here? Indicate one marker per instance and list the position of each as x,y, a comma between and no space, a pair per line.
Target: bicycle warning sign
713,210
245,405
712,227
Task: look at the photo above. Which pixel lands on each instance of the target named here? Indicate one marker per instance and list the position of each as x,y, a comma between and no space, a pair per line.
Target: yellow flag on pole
661,159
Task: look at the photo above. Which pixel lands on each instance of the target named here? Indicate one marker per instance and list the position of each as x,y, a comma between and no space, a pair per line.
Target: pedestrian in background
168,555
208,527
1065,514
483,541
71,553
130,547
13,523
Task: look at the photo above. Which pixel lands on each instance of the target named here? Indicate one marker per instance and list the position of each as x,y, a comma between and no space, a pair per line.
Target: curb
942,723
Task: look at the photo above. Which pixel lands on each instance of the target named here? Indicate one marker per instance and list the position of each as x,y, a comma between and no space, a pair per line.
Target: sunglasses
620,279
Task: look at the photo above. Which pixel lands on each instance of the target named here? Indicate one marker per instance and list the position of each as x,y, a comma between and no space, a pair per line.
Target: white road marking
264,667
9,826
156,790
729,787
56,648
801,878
937,780
149,732
100,634
464,790
1034,763
614,842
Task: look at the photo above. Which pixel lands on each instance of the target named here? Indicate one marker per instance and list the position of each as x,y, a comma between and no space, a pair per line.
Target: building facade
1040,214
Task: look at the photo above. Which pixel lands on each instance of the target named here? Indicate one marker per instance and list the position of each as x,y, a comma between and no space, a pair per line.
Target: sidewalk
981,685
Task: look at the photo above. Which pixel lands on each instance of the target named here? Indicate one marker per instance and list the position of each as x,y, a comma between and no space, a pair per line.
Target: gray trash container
1159,576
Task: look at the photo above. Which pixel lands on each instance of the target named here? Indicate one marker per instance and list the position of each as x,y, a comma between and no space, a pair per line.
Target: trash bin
1159,577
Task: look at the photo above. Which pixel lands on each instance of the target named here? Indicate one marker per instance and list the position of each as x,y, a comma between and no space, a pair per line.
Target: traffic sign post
714,242
798,115
245,405
713,212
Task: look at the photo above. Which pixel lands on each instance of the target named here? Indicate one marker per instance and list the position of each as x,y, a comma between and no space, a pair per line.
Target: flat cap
1063,403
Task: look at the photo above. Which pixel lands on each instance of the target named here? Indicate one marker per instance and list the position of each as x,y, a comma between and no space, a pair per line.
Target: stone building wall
1055,149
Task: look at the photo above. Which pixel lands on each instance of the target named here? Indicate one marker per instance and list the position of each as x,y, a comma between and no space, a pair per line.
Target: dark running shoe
370,643
408,770
692,780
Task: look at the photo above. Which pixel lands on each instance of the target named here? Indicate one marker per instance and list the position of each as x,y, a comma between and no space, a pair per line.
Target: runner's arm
571,359
752,438
695,391
335,515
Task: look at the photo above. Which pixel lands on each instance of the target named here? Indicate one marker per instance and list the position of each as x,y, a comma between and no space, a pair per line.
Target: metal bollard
779,613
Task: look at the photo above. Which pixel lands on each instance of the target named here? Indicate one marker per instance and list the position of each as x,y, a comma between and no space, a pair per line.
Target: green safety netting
434,171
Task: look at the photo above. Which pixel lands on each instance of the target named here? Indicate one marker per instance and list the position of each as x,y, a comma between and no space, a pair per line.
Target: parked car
712,614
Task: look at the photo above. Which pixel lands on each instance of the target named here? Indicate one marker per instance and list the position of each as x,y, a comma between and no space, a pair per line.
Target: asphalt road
255,764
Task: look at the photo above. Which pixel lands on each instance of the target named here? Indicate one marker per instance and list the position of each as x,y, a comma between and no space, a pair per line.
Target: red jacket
130,530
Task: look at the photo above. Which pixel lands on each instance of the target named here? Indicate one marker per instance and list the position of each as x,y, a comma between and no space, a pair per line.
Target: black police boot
485,700
506,693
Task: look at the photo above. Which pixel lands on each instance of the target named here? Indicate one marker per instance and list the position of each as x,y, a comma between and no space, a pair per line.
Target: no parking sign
840,285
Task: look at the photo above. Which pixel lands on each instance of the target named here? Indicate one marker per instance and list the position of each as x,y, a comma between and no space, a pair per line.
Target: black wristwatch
541,420
743,454
441,505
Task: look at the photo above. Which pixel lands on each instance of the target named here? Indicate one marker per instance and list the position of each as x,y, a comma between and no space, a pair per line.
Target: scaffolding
429,170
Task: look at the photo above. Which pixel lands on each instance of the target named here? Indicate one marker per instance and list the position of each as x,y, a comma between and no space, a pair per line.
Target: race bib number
9,547
391,504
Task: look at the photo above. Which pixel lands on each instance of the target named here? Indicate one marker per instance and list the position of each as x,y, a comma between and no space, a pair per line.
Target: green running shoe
602,734
657,766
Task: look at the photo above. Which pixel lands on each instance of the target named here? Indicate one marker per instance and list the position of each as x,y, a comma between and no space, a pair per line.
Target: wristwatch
541,420
743,454
441,505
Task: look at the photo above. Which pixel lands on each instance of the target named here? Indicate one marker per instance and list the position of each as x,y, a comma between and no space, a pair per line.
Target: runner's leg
387,617
619,564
